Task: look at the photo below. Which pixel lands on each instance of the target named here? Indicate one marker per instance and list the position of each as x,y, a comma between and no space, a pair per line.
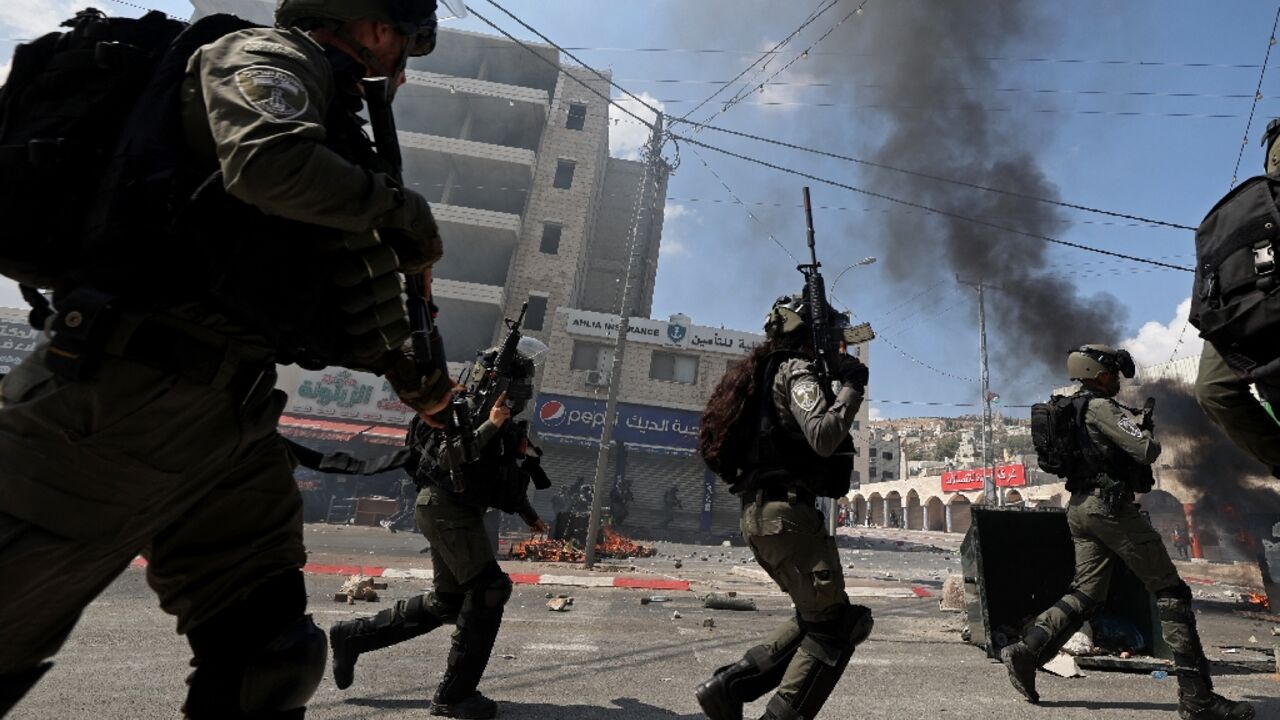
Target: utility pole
649,183
993,497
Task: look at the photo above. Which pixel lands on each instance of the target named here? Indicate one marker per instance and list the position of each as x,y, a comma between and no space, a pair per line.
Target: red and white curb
594,581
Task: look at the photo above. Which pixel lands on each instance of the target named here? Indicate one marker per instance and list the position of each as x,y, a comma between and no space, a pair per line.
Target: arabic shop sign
17,341
346,395
635,425
677,333
1006,476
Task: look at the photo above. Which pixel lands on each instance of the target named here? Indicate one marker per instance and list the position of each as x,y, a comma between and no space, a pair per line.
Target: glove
417,242
1148,412
420,393
852,373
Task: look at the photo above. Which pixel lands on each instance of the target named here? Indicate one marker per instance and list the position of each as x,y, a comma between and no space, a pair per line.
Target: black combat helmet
1086,361
790,313
415,19
1271,149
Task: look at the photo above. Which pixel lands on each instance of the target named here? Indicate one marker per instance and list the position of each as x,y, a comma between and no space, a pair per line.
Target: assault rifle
499,371
815,291
459,440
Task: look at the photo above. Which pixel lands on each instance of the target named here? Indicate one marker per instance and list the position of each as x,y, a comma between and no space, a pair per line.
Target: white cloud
874,414
674,218
626,135
675,211
26,19
4,71
1155,342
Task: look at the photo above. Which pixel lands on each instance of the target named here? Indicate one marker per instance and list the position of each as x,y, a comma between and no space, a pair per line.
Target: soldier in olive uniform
1118,448
1225,393
782,440
469,589
148,424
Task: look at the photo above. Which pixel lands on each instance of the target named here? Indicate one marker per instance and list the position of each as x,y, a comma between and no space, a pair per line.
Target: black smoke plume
915,75
1233,499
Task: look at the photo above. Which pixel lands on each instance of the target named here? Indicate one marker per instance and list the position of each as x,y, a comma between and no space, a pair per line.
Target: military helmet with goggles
790,313
1086,361
414,19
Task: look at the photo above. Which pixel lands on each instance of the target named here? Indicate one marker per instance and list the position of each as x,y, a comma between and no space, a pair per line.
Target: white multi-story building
512,152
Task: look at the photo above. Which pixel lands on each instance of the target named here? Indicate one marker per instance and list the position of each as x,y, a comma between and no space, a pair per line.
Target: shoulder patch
1126,424
275,92
266,47
805,394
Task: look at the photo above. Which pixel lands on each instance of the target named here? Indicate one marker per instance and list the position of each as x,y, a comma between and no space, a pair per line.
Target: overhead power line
823,6
1257,95
759,138
803,54
936,211
793,171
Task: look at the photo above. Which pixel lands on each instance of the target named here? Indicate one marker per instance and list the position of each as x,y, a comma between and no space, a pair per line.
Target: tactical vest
499,478
1103,466
1234,303
782,457
319,296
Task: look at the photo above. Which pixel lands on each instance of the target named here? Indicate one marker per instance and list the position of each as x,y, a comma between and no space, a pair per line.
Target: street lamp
860,263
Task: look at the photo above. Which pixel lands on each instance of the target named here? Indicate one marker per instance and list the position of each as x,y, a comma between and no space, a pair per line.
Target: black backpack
63,108
1057,427
1234,303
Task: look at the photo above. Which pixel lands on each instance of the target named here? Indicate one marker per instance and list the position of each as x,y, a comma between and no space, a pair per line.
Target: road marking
563,647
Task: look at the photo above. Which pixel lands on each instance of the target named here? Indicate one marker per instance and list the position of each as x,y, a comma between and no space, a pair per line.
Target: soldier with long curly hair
778,433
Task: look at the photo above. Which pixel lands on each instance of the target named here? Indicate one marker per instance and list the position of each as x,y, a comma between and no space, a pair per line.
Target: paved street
611,657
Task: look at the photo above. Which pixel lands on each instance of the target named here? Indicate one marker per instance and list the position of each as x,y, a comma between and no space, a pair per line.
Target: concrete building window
887,475
577,117
550,238
564,174
887,455
537,313
673,367
589,355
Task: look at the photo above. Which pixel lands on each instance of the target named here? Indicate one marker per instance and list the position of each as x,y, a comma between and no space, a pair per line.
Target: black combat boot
348,638
1022,663
474,706
758,672
473,640
1198,701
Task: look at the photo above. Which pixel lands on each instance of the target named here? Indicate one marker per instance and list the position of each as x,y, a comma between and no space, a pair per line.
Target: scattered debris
952,593
675,615
721,601
1159,675
508,657
560,604
679,564
726,543
1081,643
709,623
359,587
654,599
613,545
1253,638
1063,666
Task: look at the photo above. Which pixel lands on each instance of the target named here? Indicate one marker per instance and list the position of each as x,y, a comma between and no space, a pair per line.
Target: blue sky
1121,106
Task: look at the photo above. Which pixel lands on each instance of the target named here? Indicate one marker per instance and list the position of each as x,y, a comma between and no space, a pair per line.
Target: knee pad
832,641
259,655
492,589
444,605
285,674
